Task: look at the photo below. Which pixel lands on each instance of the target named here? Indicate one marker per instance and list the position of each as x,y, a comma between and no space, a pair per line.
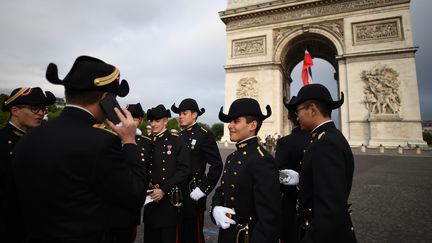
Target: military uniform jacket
203,150
325,184
121,215
167,169
289,155
9,136
74,177
250,186
10,218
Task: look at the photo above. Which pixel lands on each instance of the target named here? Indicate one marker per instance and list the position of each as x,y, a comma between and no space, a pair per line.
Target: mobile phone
108,103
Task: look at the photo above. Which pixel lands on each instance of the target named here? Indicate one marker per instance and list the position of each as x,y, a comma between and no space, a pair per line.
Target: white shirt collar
322,124
16,127
161,132
247,139
80,107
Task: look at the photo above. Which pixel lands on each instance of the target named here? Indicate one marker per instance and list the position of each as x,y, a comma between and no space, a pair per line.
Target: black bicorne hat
316,92
289,104
188,104
136,110
244,107
28,96
89,73
158,112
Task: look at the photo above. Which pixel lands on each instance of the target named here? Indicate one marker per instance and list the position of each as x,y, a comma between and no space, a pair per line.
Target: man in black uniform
203,150
289,154
27,107
73,177
247,204
327,170
167,170
127,233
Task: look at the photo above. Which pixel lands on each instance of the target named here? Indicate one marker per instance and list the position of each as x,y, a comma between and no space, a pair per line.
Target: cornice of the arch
288,10
334,36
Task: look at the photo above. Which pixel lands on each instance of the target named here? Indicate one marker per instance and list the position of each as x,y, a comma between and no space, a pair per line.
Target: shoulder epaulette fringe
105,129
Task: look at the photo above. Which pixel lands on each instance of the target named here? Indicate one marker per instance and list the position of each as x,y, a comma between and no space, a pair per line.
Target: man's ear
253,125
194,115
13,110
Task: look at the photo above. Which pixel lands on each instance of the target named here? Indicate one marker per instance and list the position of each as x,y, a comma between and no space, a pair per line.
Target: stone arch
354,36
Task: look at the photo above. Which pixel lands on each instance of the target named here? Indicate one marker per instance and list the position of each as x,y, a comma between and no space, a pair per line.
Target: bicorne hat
188,104
158,112
28,96
316,92
89,73
289,104
136,110
244,107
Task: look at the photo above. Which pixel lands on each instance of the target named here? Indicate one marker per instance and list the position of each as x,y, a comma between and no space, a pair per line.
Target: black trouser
192,229
124,235
161,235
96,238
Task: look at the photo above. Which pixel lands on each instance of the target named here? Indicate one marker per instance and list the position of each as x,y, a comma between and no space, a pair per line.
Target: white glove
196,194
289,177
220,216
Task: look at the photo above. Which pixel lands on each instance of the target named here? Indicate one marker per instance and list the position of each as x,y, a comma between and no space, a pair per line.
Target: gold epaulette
105,129
320,135
259,151
205,130
175,134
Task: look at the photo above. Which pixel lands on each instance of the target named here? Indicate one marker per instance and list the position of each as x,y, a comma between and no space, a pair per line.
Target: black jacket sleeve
212,156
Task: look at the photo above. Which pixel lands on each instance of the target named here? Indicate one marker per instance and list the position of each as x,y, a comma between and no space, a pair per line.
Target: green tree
4,115
54,111
218,129
427,136
173,124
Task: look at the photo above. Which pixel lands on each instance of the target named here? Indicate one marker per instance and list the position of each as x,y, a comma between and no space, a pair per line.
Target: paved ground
391,197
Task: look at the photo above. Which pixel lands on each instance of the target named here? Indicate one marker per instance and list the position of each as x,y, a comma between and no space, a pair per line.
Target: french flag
306,70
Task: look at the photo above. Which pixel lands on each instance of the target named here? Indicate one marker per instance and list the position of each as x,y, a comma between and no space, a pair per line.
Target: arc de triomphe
368,42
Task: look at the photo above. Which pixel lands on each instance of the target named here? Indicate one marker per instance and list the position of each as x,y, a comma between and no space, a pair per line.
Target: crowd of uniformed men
71,180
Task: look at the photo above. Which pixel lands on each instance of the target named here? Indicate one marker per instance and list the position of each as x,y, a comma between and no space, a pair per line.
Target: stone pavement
391,197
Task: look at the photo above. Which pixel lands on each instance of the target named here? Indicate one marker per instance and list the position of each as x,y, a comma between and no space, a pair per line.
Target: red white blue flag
306,70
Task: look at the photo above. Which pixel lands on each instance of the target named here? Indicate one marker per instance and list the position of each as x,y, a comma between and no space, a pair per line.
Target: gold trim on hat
15,96
101,81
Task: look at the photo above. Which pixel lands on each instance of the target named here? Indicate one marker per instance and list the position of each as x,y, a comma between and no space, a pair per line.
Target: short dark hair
79,97
292,116
250,119
321,106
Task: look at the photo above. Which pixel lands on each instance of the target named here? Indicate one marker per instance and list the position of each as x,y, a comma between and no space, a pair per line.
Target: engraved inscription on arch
255,46
383,30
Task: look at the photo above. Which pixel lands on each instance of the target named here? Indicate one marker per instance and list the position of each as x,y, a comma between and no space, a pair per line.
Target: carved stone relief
247,88
335,27
255,46
381,92
377,31
306,11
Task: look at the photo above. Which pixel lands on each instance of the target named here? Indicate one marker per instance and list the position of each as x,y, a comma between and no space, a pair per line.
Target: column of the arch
345,109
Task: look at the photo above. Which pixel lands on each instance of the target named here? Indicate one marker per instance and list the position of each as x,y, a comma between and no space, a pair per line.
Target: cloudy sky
167,50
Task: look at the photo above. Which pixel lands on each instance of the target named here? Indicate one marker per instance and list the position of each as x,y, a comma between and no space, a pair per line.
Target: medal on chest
169,147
